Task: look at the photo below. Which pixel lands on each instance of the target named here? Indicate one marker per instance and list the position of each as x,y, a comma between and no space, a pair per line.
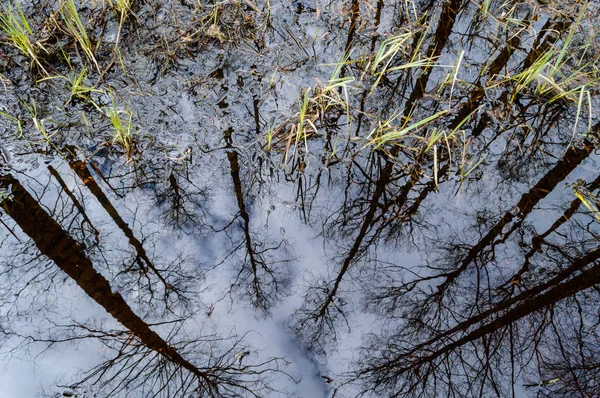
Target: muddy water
314,199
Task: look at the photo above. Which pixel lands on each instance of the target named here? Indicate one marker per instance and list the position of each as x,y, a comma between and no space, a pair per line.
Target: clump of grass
420,140
389,133
77,86
122,134
559,73
387,52
396,47
315,105
76,29
19,33
304,127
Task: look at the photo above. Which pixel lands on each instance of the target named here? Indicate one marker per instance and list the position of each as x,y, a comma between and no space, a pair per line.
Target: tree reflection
142,264
489,343
387,199
261,275
143,360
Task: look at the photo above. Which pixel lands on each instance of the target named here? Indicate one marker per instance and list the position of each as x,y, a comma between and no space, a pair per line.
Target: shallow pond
313,199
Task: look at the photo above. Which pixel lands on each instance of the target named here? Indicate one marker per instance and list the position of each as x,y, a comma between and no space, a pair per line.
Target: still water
299,199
